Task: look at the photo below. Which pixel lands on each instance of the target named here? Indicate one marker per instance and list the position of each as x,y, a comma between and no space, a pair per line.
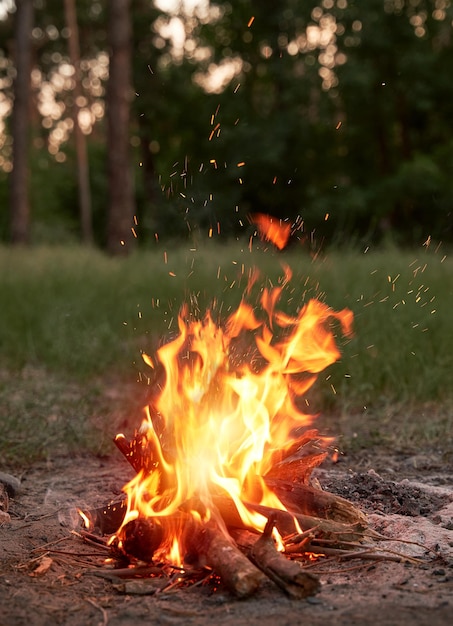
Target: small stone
11,483
439,572
313,600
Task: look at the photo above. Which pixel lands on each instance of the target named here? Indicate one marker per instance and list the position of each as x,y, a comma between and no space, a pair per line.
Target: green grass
73,323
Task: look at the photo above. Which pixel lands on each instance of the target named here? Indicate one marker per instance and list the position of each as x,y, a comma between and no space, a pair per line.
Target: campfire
225,452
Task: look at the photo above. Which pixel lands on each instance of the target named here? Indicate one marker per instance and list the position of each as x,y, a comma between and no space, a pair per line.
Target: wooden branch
142,537
89,538
218,552
327,528
287,574
142,571
285,521
370,553
307,500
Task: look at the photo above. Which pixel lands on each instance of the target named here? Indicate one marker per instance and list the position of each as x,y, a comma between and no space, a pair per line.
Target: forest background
136,121
160,129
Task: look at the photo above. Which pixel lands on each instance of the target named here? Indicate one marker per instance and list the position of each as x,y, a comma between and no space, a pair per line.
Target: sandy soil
47,574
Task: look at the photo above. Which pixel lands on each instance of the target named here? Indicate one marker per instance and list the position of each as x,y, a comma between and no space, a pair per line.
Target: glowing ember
228,405
272,229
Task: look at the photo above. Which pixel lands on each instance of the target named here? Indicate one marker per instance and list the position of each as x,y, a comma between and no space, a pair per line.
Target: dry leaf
44,564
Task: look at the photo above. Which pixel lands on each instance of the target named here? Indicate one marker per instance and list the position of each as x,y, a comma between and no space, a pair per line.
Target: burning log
336,518
307,500
300,498
296,463
286,521
107,519
219,552
287,574
285,524
297,470
206,544
138,452
124,446
141,538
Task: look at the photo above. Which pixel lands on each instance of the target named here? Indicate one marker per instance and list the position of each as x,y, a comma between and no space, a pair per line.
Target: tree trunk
121,197
80,141
19,200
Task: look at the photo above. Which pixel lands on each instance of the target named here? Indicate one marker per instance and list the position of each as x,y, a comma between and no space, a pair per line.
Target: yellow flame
228,404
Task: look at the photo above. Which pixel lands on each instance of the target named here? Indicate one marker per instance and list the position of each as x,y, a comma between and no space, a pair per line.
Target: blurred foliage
340,114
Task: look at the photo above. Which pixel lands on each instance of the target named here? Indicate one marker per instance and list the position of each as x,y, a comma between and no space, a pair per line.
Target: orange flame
272,229
85,519
228,404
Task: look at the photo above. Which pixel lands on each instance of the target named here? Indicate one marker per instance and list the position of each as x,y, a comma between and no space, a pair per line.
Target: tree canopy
335,115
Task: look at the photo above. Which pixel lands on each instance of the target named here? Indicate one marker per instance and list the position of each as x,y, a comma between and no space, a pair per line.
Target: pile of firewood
314,522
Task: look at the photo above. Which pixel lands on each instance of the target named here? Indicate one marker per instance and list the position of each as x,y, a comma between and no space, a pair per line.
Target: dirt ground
47,574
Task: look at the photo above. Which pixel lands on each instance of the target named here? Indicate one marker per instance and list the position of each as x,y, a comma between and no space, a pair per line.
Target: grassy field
73,323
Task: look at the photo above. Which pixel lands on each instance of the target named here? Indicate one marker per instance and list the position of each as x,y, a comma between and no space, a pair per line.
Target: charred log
141,538
108,519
